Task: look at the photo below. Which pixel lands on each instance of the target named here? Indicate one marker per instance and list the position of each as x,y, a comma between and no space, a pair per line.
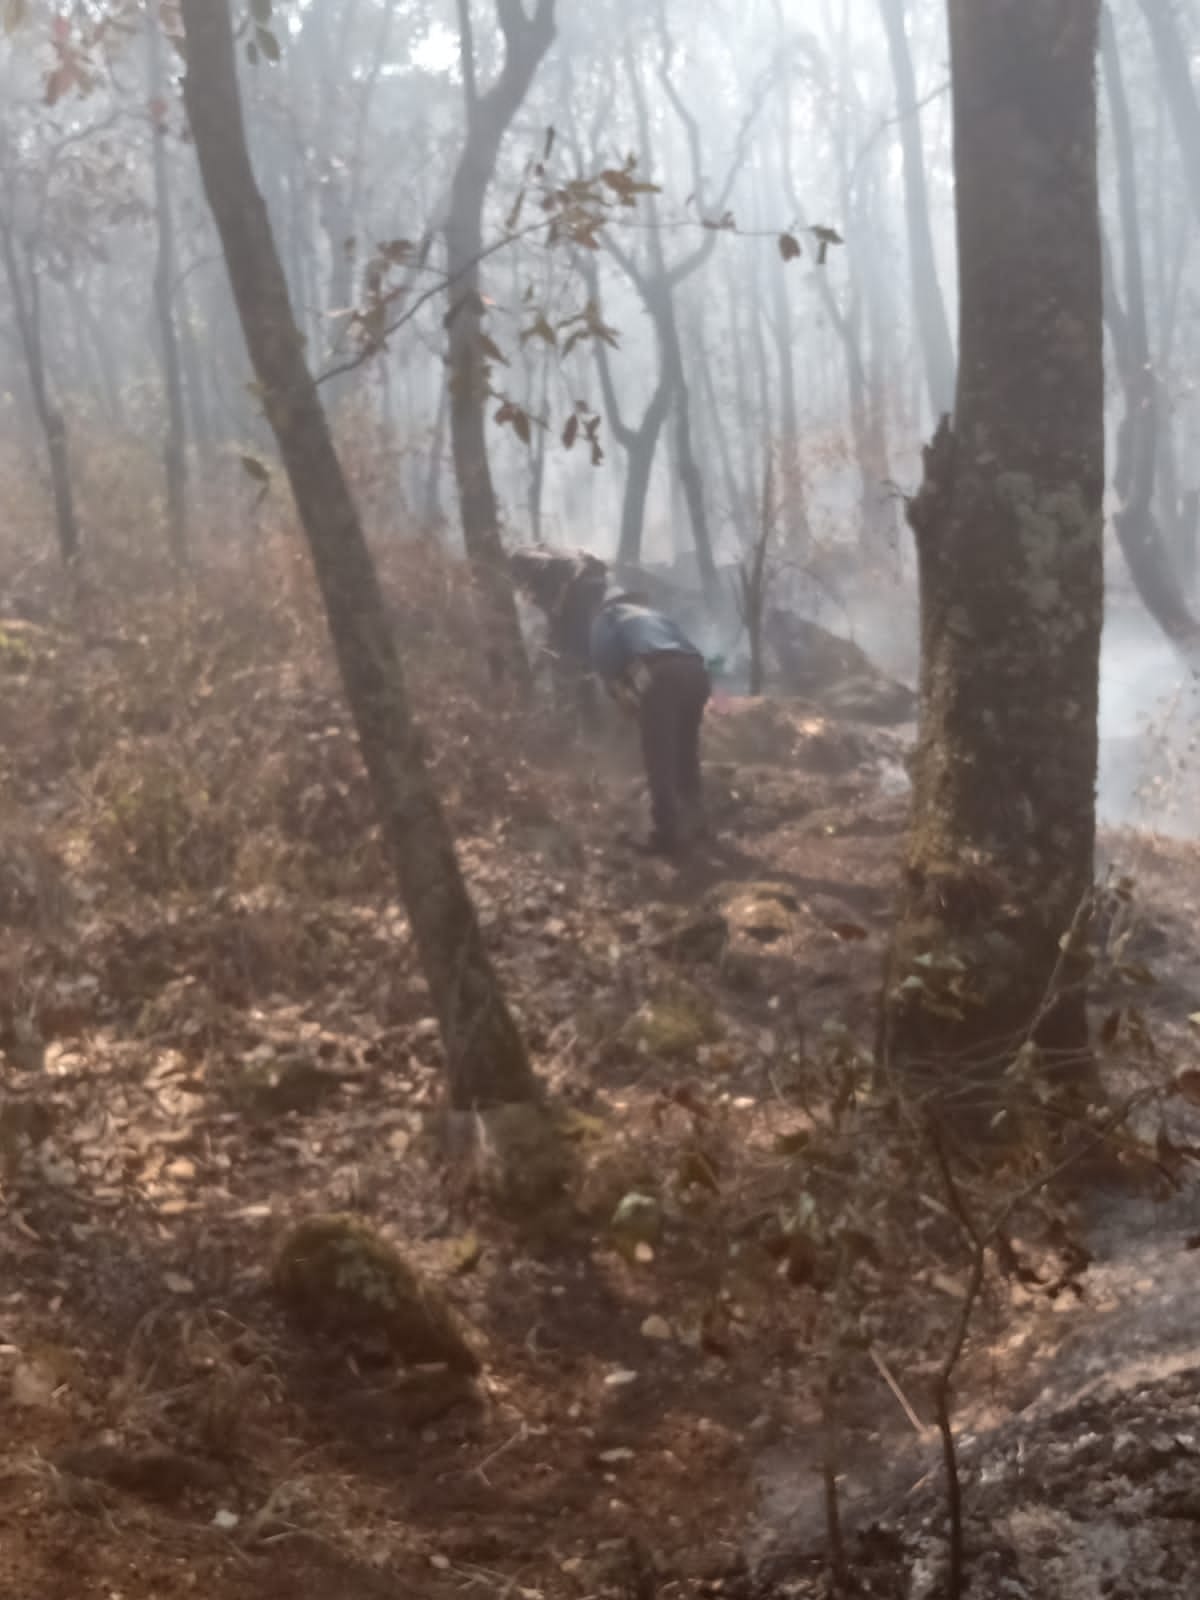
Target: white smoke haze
800,387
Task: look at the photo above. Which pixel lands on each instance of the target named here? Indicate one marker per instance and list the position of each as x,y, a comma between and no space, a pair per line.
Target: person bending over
567,586
648,664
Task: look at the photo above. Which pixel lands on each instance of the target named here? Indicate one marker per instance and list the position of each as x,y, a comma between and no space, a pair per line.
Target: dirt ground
201,1050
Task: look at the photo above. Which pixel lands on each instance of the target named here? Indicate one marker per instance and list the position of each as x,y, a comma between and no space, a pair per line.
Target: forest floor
214,1026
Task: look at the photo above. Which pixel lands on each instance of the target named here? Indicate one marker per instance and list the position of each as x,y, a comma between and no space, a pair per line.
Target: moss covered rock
674,1023
338,1277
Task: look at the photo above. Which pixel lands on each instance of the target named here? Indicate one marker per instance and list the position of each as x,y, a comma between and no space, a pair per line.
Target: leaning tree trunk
175,442
489,115
1008,523
485,1055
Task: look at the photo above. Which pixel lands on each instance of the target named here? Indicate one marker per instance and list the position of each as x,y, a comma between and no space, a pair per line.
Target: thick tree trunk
489,115
1008,523
485,1056
928,303
175,441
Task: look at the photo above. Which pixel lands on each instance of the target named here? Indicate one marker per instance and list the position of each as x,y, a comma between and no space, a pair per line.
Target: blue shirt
624,631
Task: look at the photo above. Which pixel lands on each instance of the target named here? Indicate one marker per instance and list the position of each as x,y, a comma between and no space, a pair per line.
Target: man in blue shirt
648,663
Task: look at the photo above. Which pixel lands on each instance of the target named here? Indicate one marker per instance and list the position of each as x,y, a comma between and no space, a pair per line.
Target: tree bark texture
1008,524
485,1056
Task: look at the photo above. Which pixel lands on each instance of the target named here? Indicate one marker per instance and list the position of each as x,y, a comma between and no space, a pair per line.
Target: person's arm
617,663
605,645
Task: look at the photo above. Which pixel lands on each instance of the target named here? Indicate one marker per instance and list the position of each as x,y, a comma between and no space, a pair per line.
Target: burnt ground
205,1043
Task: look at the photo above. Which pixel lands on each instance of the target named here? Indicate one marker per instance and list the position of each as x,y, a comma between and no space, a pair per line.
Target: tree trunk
747,436
431,499
791,464
754,579
537,463
101,345
1172,56
485,1055
175,442
193,375
741,514
877,520
928,303
1138,530
690,475
870,326
489,115
657,288
640,444
879,500
26,307
1008,522
639,469
337,223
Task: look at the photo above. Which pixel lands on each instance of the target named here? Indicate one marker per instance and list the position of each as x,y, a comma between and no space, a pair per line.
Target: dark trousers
670,713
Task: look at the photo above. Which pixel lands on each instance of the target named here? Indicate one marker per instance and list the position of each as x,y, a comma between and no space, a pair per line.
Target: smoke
1149,726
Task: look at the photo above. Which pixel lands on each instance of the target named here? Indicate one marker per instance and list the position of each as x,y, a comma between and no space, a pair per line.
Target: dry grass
193,893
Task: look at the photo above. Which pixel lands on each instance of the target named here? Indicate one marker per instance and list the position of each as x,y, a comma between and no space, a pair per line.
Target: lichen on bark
1008,524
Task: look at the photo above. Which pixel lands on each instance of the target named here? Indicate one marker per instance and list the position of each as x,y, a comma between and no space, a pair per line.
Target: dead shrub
160,826
199,724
